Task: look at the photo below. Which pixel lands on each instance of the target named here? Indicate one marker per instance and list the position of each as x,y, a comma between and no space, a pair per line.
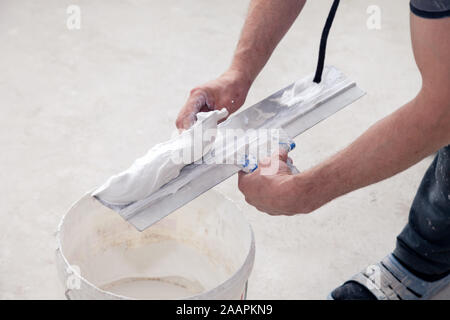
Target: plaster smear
176,269
161,164
307,90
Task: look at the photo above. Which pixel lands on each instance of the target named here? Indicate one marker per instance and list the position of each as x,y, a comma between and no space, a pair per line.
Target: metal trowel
293,109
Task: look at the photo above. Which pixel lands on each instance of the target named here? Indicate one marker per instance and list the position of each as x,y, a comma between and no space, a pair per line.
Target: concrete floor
80,105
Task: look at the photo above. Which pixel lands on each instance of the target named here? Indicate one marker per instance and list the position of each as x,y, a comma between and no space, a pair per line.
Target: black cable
323,41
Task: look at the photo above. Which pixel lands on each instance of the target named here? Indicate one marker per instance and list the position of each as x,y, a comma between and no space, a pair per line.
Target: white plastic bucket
204,250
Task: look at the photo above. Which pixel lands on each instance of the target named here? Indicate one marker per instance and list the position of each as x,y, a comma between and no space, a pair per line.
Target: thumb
282,155
198,100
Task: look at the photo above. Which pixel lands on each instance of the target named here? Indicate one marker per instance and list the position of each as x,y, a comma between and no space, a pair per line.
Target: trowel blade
295,109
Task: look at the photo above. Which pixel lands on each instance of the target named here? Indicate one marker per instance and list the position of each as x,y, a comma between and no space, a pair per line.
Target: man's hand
273,189
228,91
266,24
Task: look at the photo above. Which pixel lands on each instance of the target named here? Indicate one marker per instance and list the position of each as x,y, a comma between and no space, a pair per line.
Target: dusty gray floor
77,106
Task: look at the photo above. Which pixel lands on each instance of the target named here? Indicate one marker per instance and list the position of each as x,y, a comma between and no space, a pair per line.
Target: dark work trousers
424,243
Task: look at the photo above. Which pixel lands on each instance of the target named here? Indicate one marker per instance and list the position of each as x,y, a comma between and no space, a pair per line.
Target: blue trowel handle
250,164
253,166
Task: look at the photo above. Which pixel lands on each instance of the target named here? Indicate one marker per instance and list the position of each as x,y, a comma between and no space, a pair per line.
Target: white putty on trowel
160,165
293,109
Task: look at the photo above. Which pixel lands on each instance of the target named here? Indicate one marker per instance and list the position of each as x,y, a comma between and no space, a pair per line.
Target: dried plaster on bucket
204,250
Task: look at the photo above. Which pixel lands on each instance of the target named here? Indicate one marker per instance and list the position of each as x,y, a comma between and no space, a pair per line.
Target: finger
276,162
241,180
220,108
244,179
209,99
186,118
189,120
276,156
265,162
282,155
199,100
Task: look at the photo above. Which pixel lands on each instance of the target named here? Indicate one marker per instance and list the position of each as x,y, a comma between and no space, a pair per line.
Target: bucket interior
190,252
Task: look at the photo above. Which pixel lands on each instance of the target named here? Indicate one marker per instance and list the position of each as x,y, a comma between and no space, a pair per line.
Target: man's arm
266,24
408,135
392,145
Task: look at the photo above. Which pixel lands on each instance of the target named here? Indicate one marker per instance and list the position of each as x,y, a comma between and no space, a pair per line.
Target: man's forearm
400,140
390,146
266,24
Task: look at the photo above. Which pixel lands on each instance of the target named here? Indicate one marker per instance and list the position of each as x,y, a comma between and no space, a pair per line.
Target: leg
424,243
